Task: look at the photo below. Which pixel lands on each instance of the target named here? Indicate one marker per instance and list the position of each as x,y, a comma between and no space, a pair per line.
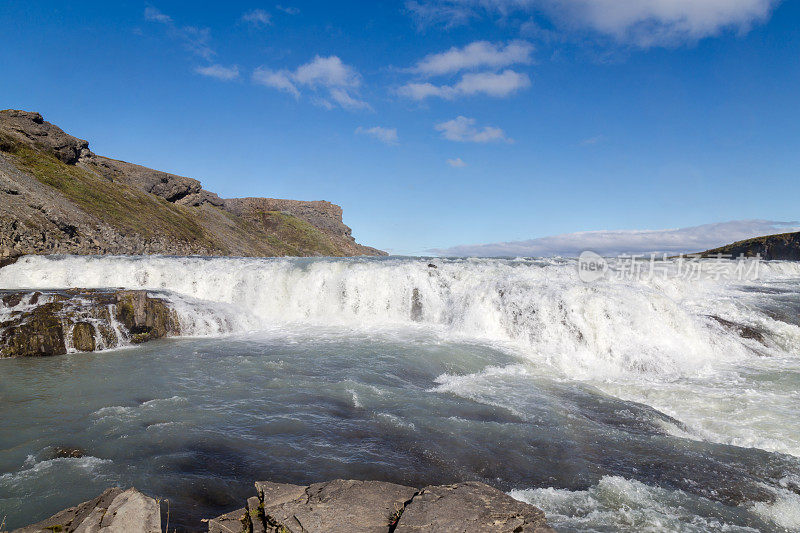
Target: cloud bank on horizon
612,243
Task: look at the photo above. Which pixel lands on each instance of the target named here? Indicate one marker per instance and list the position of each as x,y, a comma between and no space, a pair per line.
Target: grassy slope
131,210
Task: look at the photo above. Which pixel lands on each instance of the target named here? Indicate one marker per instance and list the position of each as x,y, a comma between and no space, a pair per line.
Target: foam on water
619,504
657,341
650,340
610,328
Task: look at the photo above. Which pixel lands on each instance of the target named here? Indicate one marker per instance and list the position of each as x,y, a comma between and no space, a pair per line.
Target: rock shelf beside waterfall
54,322
330,507
376,506
115,510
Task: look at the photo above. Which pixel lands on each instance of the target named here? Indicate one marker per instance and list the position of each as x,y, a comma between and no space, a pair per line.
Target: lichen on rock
45,323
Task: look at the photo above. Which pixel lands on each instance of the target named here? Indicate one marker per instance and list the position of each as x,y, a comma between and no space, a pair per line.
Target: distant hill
56,196
784,246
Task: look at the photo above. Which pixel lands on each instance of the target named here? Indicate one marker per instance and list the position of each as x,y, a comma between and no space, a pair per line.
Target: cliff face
56,196
784,246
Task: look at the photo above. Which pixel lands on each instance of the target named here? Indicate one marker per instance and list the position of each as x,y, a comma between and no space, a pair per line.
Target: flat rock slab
379,507
467,507
341,505
114,511
228,523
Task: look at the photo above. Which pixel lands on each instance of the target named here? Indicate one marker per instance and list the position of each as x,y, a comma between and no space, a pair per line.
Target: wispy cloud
611,243
219,72
456,163
498,85
385,135
463,129
592,140
639,22
480,54
195,40
154,15
288,10
329,75
258,18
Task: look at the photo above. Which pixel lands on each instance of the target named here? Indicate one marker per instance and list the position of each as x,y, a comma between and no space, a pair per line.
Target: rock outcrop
114,511
374,507
57,196
44,323
784,246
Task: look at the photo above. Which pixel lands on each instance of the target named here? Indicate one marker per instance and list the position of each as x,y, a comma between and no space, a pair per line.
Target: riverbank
331,507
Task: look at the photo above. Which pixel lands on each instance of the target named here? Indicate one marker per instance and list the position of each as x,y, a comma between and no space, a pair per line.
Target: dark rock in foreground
784,246
114,511
44,323
374,506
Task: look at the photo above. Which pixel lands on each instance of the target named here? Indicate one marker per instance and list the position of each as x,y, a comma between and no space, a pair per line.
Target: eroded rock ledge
331,507
376,506
114,511
44,323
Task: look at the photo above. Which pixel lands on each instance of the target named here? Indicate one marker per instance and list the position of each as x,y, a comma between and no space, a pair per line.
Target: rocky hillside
784,246
56,196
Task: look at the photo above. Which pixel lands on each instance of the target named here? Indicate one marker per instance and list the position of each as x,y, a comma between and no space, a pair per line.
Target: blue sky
437,123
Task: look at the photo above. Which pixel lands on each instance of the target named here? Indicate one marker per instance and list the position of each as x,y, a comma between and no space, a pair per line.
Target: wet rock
10,260
12,299
375,506
34,333
416,306
72,318
113,511
146,318
746,332
66,452
83,337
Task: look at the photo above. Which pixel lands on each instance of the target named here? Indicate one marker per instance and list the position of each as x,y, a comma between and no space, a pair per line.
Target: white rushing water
716,353
651,340
610,328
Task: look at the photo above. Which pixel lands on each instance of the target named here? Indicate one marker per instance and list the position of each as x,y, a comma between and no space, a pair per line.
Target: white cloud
456,163
475,55
344,99
257,18
328,74
462,129
652,22
385,135
611,243
494,84
328,71
195,40
277,79
640,22
288,10
154,15
499,85
219,72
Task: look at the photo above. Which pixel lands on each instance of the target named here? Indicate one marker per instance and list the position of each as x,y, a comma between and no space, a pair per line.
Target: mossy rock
83,337
35,333
144,317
